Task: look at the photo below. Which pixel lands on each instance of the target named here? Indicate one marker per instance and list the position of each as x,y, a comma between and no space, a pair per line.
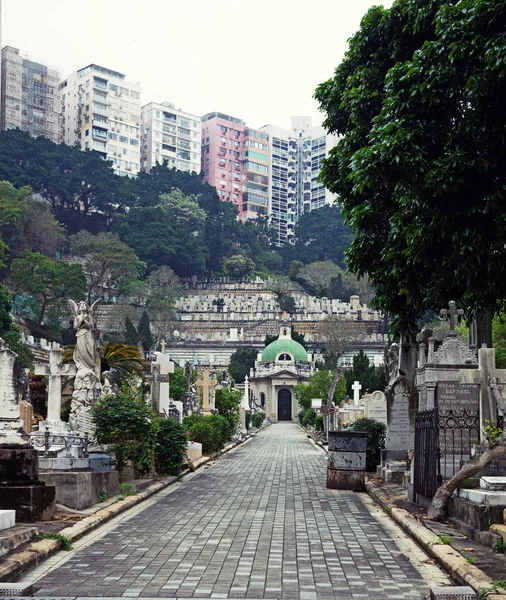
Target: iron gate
443,441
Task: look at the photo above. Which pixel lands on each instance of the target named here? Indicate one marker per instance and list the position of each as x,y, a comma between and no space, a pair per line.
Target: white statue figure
87,356
86,353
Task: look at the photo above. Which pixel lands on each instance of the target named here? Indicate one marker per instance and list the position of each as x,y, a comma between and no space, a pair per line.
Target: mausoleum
283,364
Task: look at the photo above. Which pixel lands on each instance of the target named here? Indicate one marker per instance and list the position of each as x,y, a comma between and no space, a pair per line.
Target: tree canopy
420,164
50,283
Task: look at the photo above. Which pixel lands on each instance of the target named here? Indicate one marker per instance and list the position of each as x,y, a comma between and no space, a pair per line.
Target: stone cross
245,407
162,343
55,370
480,376
161,368
453,313
356,387
205,382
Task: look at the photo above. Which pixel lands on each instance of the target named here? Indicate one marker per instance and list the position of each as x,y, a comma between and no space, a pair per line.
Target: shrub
318,423
228,402
124,423
302,414
171,442
257,419
376,433
212,431
191,420
309,417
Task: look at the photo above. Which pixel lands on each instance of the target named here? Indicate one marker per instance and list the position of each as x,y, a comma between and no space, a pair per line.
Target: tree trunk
333,386
438,510
484,328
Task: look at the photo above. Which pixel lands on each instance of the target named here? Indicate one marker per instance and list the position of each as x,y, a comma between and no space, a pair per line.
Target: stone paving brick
258,524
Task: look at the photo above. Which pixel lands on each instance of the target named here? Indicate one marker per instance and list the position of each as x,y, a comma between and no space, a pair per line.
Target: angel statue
87,357
86,353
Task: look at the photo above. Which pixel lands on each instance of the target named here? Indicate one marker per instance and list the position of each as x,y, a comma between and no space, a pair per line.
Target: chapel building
283,364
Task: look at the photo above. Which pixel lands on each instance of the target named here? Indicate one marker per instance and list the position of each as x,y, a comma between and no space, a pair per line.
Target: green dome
284,344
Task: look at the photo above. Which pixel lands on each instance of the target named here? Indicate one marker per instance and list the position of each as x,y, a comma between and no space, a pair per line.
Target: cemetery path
259,523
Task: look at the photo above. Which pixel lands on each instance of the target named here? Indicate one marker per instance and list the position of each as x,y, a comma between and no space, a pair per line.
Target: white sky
258,61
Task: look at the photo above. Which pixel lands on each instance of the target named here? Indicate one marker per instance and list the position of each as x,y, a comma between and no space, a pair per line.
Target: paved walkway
258,524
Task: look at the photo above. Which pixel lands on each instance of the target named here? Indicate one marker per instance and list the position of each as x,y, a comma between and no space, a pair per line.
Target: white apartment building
29,95
101,112
295,162
170,135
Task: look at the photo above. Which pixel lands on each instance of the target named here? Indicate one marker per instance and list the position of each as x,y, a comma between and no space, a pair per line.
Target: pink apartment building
235,161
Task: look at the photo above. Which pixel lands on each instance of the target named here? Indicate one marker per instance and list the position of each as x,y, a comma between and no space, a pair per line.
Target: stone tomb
20,487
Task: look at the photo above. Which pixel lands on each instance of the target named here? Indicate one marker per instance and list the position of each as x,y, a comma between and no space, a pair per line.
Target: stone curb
14,565
447,557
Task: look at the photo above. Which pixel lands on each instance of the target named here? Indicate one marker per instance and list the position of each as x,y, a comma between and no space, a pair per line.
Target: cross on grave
480,376
356,387
205,383
453,313
55,370
160,368
162,343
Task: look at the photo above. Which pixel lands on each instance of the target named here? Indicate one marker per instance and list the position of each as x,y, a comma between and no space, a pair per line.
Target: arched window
284,356
285,332
262,399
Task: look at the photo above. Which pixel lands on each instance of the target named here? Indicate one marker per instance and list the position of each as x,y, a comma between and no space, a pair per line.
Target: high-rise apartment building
235,159
223,155
101,112
170,135
255,196
29,95
295,162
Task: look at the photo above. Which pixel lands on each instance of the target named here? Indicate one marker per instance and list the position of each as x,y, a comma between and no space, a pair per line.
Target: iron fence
443,441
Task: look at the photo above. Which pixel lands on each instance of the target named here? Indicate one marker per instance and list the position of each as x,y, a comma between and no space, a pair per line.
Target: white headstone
376,407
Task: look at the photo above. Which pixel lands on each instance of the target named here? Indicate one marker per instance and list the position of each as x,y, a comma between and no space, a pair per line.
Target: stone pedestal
80,489
32,503
20,487
346,460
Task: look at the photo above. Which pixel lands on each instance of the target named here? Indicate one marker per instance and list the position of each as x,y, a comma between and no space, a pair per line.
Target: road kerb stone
447,557
17,564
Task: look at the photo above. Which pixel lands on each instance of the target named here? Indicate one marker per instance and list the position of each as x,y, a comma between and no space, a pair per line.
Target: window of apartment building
113,136
195,124
223,129
123,139
87,132
134,142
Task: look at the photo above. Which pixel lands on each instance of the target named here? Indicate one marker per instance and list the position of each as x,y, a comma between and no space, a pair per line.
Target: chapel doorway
284,405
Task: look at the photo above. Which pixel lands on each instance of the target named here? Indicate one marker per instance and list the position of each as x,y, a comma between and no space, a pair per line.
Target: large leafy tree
74,183
107,262
371,378
170,232
241,361
49,282
420,167
320,235
319,386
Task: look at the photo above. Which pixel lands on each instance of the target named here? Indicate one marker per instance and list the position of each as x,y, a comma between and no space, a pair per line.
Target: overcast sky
259,61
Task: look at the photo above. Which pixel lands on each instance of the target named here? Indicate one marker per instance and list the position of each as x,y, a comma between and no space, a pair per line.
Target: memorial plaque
316,402
347,441
457,397
400,429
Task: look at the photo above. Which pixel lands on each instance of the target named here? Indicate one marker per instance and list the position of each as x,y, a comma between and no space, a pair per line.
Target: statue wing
73,307
94,306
